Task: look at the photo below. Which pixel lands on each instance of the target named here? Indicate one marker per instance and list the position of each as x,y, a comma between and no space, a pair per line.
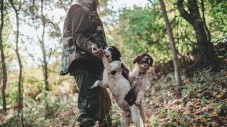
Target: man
83,41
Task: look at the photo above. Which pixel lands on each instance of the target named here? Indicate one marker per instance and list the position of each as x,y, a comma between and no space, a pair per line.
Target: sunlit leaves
217,18
142,29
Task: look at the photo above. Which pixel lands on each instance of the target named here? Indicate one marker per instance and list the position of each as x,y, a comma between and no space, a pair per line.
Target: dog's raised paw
95,84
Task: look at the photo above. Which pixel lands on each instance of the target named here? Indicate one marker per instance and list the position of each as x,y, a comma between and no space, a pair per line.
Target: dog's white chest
116,81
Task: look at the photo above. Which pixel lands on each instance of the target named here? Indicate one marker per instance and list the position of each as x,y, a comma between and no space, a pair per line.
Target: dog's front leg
148,86
126,69
105,62
125,120
96,84
104,84
139,97
142,113
100,83
135,116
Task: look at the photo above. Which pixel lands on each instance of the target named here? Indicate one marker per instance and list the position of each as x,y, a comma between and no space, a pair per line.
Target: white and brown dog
115,77
139,80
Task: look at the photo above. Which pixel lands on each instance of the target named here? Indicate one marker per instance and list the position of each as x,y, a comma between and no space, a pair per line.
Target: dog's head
144,61
112,53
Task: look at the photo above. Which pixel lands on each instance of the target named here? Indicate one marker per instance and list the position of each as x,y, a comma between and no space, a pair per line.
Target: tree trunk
45,68
4,71
204,46
20,95
172,44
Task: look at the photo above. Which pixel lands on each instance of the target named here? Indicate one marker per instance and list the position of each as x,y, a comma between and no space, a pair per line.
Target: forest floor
203,103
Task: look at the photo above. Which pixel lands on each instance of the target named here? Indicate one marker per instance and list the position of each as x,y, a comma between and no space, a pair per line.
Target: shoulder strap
86,9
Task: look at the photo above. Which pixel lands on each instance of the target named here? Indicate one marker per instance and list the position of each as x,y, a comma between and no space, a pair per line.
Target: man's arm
80,27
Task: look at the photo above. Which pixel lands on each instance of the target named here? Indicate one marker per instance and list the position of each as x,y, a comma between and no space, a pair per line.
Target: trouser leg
93,104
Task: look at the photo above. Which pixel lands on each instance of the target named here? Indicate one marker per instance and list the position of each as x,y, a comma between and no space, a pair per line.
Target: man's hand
96,51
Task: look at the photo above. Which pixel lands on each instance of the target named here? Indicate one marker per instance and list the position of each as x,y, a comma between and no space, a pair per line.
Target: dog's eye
113,72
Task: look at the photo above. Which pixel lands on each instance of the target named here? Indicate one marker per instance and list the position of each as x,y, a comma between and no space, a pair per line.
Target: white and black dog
115,77
139,80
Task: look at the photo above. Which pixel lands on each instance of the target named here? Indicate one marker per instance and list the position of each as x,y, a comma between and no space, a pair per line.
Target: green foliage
217,19
187,90
12,122
116,115
153,121
32,86
203,100
142,30
11,96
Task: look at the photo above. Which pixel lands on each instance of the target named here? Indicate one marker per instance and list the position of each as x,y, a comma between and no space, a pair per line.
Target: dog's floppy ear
116,55
151,59
136,59
151,63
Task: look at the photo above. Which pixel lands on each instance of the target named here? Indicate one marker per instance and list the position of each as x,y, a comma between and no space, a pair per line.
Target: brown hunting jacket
82,28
